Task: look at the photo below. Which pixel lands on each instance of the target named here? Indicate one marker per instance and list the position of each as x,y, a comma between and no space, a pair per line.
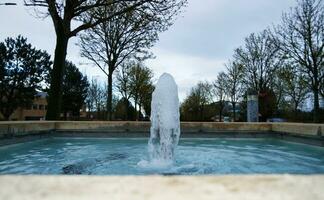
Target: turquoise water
193,157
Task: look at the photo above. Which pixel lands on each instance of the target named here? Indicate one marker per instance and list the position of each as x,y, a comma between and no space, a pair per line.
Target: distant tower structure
252,107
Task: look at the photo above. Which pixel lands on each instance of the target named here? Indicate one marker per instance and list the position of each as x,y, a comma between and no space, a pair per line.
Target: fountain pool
194,156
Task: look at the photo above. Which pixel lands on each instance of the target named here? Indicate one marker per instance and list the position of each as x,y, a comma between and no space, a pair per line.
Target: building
37,111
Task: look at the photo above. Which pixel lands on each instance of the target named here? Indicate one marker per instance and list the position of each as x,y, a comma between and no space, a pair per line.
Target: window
35,106
41,107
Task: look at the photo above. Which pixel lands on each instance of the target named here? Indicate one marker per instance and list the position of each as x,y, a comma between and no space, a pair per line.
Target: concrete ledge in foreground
246,187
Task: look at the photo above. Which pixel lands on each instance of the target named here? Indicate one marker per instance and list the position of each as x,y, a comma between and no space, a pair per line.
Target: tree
267,104
295,85
123,86
125,110
140,85
85,13
123,37
278,88
129,79
219,90
322,89
75,90
194,106
146,97
122,83
301,37
233,82
96,98
260,58
92,96
23,71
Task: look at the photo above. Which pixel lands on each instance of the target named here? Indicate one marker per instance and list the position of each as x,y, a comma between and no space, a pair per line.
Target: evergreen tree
23,71
75,89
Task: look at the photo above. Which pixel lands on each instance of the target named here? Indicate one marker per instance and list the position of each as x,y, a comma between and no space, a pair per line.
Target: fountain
165,122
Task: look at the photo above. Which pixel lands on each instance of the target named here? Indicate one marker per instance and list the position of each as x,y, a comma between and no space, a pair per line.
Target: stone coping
20,128
230,187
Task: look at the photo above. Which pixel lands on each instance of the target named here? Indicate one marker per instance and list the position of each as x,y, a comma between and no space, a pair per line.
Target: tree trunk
127,110
316,84
139,110
234,111
295,107
55,93
65,115
316,106
201,113
135,102
109,99
98,111
6,116
220,111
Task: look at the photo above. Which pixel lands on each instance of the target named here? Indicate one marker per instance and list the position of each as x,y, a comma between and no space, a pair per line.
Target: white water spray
165,122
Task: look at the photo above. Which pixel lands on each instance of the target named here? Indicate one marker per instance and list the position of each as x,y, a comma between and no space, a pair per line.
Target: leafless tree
87,14
260,58
220,93
123,37
301,37
322,89
140,85
278,87
294,85
203,93
123,84
96,97
194,106
233,82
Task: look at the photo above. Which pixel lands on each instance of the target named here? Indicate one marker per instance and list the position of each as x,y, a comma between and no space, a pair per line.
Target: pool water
125,156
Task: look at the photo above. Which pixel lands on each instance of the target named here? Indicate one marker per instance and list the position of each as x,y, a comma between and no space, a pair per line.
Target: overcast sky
194,49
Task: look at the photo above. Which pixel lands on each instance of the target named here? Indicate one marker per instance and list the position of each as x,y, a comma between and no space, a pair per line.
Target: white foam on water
155,164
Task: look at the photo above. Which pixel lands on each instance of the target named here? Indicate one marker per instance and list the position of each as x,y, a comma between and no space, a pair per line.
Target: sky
194,49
